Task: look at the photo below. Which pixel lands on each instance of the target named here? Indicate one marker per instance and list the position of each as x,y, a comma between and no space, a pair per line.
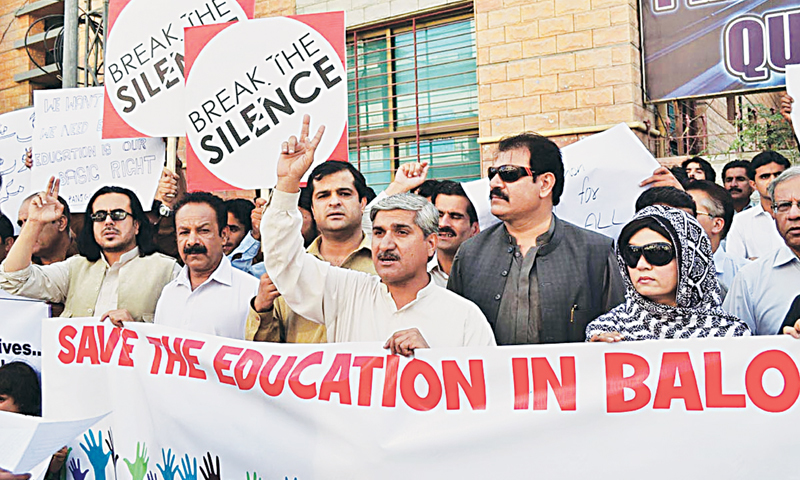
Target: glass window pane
375,164
373,85
453,158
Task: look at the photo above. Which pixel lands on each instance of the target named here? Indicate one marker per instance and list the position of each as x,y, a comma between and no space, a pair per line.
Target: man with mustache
763,291
209,295
736,180
401,306
753,233
338,197
537,278
458,222
117,275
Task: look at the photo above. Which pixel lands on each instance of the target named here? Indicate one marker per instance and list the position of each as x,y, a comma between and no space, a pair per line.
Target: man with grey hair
762,291
402,306
715,214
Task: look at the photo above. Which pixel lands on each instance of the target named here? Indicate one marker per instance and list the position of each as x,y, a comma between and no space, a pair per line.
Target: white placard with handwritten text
16,131
602,176
67,145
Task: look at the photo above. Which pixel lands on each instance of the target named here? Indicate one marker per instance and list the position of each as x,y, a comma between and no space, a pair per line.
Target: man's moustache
194,249
447,230
497,193
388,256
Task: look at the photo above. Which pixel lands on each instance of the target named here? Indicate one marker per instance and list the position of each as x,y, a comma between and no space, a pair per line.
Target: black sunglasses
116,215
657,254
510,173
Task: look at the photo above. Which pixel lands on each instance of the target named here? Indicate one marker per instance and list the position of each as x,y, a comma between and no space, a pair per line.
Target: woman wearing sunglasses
671,288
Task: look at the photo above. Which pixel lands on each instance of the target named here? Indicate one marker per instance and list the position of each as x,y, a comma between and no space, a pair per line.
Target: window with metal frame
413,96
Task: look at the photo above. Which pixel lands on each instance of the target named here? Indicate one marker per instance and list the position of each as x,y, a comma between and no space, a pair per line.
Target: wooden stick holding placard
172,153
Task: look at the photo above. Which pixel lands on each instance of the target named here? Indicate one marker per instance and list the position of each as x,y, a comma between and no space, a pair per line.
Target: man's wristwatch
162,209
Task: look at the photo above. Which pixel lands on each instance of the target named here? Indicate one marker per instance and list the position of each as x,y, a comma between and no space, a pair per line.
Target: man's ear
62,223
363,203
7,244
431,242
719,225
474,229
548,180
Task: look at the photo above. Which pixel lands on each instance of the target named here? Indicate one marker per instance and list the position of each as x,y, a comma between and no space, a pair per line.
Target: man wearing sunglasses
763,291
117,274
538,279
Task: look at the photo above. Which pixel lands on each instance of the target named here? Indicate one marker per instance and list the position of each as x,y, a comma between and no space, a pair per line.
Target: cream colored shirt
355,306
51,282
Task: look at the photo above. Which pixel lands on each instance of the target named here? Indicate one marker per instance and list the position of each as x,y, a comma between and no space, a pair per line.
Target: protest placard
244,410
21,330
240,107
144,62
601,179
793,89
16,132
67,145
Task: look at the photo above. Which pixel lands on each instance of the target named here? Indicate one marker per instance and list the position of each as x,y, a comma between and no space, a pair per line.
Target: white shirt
437,274
219,306
763,291
753,234
356,306
727,267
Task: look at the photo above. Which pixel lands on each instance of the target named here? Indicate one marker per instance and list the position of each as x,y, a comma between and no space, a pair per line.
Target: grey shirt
519,318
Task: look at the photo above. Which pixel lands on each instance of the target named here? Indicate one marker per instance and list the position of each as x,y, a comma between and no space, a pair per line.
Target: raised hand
208,472
786,107
45,207
168,468
138,468
75,469
94,450
408,177
167,192
114,454
255,218
188,473
296,157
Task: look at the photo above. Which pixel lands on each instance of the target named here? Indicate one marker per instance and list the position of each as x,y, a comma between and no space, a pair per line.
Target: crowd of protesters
330,261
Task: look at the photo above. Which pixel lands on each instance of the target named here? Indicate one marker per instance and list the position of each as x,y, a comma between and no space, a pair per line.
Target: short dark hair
720,205
711,175
765,158
545,157
241,209
738,164
304,201
427,189
87,245
449,187
669,196
6,228
19,381
334,166
212,201
680,175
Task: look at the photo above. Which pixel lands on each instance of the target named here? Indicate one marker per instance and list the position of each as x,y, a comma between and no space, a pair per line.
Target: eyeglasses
657,254
116,215
706,214
784,207
510,173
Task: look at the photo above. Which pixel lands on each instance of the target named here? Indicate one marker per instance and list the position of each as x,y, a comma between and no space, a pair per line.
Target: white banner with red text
189,406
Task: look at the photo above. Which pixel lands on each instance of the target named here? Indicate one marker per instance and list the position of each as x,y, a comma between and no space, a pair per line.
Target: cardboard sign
601,180
250,410
21,330
144,62
67,145
16,134
248,86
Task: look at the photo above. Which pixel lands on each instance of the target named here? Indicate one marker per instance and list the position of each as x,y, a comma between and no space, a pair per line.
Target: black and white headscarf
698,312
